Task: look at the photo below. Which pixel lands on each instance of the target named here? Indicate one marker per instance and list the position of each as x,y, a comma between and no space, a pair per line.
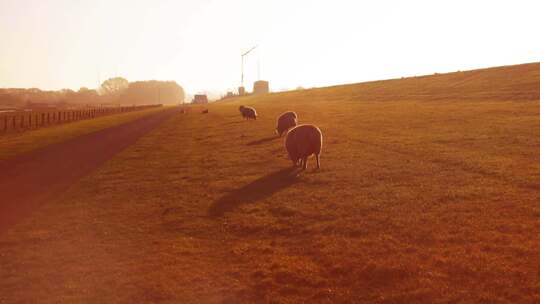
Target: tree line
113,91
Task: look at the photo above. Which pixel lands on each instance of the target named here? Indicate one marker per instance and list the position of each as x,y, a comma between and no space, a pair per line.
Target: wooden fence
27,120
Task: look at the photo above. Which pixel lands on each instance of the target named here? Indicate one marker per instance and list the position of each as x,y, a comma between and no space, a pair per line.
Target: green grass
13,144
418,201
415,202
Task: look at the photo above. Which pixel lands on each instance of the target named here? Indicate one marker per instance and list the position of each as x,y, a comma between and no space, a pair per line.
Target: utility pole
258,69
243,55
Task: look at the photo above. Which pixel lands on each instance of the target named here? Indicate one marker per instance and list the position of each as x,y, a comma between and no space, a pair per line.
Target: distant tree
113,86
83,96
8,99
153,92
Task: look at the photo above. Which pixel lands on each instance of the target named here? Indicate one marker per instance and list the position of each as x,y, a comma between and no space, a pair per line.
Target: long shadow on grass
254,191
233,122
262,141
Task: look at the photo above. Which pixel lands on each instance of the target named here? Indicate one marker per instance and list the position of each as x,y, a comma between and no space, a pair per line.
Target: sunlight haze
70,44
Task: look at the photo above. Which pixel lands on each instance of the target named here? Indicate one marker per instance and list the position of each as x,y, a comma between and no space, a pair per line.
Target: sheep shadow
233,122
254,191
262,141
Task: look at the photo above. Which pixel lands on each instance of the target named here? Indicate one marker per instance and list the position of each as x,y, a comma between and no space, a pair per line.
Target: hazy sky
53,44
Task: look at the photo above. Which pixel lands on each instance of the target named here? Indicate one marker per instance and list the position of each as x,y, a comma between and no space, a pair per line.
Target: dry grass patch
416,202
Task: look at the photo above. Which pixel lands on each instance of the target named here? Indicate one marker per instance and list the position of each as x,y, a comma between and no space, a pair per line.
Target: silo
261,87
241,91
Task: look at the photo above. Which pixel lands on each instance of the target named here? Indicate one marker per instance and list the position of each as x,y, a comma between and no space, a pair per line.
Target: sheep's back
286,121
249,112
304,140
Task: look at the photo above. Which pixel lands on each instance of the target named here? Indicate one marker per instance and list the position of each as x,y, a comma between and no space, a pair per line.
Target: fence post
5,123
13,122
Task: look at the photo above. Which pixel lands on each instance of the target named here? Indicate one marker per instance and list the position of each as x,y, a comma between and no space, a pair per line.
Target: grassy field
426,199
12,144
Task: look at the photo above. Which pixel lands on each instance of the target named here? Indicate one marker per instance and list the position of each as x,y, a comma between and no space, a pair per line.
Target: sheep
301,142
241,109
205,111
286,121
248,112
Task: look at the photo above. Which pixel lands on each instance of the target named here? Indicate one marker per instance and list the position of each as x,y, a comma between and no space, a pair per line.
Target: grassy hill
428,197
518,82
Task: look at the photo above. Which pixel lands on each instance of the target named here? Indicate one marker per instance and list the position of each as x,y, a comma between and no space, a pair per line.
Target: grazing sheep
301,142
248,112
241,109
286,121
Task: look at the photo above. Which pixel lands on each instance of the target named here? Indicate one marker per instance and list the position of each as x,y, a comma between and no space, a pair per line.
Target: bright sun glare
67,44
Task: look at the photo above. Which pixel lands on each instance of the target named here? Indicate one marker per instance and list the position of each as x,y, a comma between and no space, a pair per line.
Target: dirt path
27,181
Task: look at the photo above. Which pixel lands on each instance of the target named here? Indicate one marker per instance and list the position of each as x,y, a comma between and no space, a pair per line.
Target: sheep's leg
318,161
304,163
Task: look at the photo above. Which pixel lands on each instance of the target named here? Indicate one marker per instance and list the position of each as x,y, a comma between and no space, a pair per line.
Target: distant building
241,91
200,99
261,87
